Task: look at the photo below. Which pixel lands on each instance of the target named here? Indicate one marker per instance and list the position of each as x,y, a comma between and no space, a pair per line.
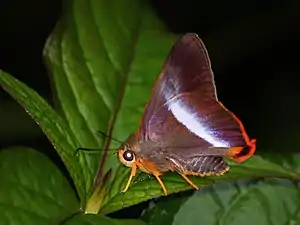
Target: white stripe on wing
188,117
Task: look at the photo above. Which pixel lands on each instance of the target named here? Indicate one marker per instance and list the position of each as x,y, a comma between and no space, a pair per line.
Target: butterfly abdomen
206,166
201,165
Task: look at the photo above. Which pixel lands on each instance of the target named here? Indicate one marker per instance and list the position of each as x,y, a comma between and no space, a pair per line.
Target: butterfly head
127,153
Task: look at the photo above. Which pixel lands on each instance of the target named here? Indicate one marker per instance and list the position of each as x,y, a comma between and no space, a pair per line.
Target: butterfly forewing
183,111
187,66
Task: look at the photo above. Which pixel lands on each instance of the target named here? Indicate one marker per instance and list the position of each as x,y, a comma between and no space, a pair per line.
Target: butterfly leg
189,181
161,184
132,174
175,166
150,167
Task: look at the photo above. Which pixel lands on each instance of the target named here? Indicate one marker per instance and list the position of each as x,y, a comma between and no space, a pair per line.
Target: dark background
254,49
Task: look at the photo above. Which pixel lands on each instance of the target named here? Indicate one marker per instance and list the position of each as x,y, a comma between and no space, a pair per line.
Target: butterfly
184,127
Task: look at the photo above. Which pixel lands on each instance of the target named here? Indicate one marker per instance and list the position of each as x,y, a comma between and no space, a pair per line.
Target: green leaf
89,219
264,202
56,129
104,58
33,190
145,187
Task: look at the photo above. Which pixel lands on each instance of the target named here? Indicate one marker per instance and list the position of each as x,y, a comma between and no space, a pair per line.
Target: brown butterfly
184,128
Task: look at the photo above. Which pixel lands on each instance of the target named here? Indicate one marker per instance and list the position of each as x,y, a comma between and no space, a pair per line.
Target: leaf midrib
120,97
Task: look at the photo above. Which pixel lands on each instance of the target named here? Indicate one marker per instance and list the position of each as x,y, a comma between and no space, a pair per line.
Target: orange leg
189,181
161,184
150,167
132,174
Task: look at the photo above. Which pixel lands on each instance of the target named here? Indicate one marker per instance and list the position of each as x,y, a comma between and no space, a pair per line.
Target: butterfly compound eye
128,156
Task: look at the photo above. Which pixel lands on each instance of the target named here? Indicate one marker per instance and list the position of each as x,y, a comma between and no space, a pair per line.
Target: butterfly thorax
153,154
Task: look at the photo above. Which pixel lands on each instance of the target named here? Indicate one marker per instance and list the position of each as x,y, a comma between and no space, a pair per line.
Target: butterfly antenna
97,150
92,150
107,136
